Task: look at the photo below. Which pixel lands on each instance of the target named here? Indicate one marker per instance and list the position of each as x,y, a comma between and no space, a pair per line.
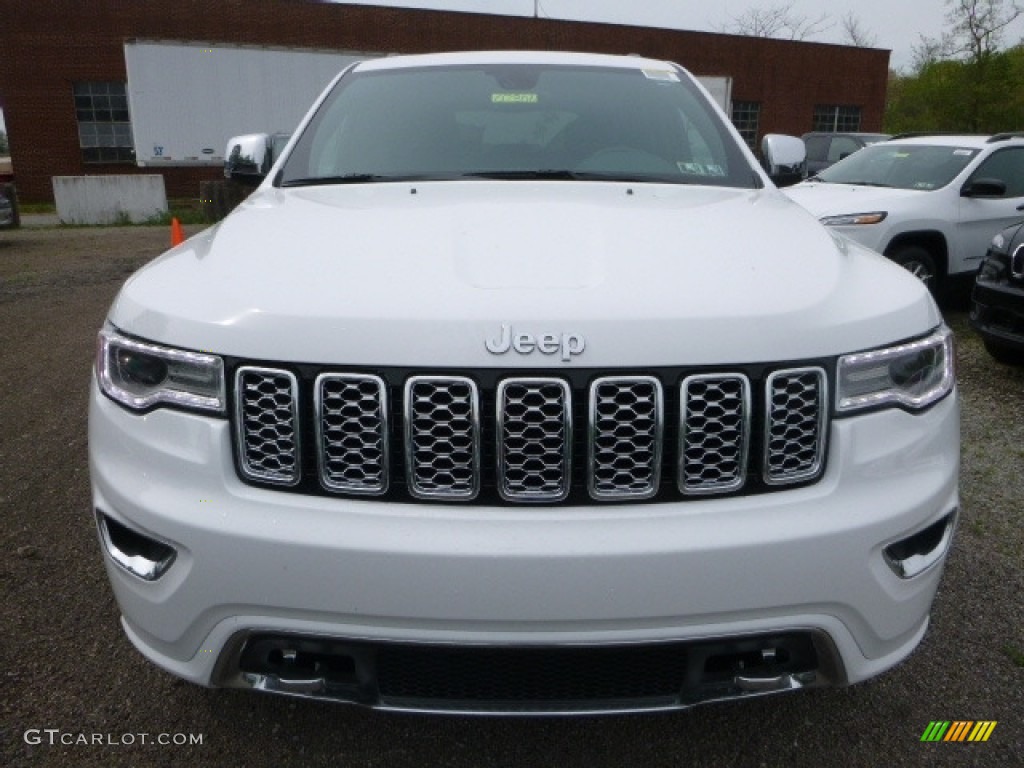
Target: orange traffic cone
177,233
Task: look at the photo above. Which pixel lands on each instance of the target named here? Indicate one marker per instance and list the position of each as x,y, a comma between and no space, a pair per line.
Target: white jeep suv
930,203
517,387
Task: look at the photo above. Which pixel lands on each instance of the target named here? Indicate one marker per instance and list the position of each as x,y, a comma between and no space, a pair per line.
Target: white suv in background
517,387
930,203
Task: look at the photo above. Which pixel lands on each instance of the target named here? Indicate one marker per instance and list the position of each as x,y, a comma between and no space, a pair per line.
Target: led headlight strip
140,375
913,375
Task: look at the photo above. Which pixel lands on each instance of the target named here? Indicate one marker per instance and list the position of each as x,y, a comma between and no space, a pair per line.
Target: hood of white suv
824,199
404,274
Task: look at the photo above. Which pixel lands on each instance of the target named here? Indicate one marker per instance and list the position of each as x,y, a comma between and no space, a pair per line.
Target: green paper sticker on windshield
514,98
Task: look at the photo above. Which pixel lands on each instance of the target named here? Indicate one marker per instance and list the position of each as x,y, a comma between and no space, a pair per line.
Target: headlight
140,375
914,375
848,219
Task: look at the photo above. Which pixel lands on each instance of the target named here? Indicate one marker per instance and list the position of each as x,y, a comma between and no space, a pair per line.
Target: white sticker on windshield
694,169
963,152
664,75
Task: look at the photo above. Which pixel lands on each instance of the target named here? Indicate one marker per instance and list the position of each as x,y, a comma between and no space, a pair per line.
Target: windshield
517,121
902,166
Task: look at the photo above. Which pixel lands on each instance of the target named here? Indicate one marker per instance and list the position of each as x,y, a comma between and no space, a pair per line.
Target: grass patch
19,280
185,210
1015,655
31,208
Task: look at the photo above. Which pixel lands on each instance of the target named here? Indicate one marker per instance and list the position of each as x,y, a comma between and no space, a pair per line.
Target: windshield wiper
556,175
360,178
562,174
530,175
868,184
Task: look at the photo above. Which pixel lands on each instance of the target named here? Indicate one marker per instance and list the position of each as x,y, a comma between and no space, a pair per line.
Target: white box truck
188,98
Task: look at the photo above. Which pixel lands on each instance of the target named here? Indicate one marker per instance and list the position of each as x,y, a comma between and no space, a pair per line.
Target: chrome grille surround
534,431
351,419
795,422
714,433
1017,262
442,437
267,424
626,422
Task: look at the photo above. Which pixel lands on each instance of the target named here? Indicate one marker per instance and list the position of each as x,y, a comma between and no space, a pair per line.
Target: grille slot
352,433
795,425
442,436
626,423
714,435
534,439
267,424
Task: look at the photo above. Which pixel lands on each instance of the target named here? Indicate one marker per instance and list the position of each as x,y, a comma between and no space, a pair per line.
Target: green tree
962,81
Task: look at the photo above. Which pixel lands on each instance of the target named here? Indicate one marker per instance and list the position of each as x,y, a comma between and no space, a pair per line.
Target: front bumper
997,312
252,563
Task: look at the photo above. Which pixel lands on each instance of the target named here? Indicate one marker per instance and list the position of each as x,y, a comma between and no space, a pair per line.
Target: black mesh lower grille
525,679
523,675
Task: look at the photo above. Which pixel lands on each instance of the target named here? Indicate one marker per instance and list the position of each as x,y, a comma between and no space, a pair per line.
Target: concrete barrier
109,199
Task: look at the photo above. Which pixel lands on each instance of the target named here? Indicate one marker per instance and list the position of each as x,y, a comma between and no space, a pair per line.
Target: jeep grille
508,439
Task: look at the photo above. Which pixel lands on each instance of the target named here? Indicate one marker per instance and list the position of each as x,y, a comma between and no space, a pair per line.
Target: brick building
58,57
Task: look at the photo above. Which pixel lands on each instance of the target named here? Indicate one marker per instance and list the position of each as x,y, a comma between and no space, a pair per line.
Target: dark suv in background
823,149
8,206
997,304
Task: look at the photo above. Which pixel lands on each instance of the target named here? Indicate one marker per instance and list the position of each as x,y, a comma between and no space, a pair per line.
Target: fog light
915,554
140,555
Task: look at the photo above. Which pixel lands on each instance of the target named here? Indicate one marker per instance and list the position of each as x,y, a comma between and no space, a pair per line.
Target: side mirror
248,158
785,158
984,188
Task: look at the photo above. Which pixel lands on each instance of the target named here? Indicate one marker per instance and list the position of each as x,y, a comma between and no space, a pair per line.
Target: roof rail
921,134
1005,136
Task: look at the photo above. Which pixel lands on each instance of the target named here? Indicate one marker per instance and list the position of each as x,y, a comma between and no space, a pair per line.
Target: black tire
921,265
1004,355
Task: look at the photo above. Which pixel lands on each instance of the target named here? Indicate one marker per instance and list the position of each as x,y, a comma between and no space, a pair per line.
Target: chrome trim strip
821,425
385,429
705,489
658,435
566,453
415,490
277,478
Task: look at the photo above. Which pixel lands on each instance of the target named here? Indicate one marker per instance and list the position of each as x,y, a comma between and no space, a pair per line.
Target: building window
104,125
746,115
836,118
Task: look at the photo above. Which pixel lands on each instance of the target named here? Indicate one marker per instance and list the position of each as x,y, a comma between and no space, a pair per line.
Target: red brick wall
46,45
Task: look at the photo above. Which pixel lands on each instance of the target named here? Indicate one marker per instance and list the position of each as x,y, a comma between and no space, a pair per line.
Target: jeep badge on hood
569,344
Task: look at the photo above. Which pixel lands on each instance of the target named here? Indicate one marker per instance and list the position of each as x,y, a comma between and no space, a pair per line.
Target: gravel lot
67,666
